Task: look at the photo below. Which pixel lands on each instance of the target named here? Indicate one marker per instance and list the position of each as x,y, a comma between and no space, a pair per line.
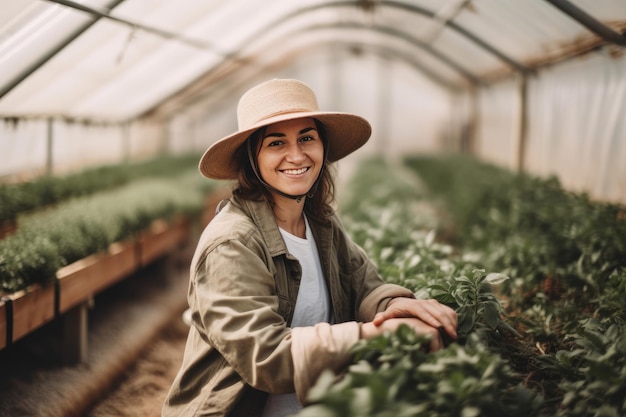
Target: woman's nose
295,153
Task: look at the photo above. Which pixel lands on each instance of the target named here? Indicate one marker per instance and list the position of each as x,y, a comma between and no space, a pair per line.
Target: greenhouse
437,226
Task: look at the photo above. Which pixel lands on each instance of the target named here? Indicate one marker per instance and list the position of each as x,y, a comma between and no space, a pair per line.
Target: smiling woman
290,160
289,157
278,290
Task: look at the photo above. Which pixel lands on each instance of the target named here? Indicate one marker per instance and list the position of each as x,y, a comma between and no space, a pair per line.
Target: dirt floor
136,342
142,389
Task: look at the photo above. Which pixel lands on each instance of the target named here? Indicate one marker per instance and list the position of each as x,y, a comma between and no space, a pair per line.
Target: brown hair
319,206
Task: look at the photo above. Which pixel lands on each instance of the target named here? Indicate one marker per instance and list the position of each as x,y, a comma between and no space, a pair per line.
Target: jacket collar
263,217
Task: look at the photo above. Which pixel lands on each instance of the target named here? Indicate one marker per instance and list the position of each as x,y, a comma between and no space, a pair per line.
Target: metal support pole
50,54
335,78
470,136
589,22
126,142
49,143
384,105
523,123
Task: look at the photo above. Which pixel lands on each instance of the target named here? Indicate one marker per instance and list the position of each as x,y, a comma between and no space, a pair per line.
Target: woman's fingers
430,312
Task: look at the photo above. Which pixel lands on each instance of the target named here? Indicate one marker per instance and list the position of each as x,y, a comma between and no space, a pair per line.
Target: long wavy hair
318,206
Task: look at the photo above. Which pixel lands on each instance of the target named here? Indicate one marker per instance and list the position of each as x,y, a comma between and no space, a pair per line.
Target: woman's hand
430,312
370,330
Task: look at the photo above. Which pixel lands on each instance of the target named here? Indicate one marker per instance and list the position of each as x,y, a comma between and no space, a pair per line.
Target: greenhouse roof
121,59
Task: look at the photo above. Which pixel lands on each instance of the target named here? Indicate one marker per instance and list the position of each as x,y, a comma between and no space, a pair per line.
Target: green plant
475,303
48,239
48,190
393,375
566,256
595,370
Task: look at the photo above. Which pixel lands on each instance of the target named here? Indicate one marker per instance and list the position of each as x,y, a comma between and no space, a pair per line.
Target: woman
278,291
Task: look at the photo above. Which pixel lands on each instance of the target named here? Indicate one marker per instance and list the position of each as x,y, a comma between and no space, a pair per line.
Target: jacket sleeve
377,300
320,347
236,311
371,293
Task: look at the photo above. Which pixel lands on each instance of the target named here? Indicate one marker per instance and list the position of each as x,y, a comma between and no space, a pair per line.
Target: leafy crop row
389,214
566,256
49,239
544,335
49,190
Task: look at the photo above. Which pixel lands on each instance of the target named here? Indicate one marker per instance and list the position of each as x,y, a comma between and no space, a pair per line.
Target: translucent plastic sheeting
497,130
406,109
576,125
35,147
117,71
113,72
24,147
32,32
181,65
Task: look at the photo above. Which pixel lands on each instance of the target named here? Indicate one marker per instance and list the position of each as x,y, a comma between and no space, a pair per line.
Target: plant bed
211,203
24,311
3,324
7,227
386,210
161,238
51,239
46,191
82,279
566,256
80,247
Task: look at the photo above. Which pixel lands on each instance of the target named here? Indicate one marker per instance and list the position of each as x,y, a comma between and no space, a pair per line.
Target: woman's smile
291,156
295,172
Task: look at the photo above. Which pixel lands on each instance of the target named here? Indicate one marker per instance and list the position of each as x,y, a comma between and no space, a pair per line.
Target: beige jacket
242,294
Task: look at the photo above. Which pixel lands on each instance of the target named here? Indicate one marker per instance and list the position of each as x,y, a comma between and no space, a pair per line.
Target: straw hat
275,101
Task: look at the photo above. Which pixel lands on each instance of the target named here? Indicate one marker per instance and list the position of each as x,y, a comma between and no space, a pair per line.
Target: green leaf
491,315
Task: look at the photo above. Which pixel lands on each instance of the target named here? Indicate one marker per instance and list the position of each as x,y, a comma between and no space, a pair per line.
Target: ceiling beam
412,8
589,22
106,14
28,71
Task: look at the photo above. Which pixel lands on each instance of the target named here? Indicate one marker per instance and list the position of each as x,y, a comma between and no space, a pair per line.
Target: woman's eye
306,138
274,143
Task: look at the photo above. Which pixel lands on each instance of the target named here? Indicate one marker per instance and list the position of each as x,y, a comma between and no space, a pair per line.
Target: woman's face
291,156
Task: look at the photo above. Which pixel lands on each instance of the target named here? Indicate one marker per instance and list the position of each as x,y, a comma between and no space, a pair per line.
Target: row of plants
388,212
48,190
51,238
542,334
567,257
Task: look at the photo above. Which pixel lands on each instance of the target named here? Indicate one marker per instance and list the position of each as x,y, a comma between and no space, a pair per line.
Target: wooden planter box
3,324
211,204
82,279
161,238
7,227
28,309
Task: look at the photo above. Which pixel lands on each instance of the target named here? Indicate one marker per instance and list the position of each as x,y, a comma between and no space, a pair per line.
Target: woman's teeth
295,171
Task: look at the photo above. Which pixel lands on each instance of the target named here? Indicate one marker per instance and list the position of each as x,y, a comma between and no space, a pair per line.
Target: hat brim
345,133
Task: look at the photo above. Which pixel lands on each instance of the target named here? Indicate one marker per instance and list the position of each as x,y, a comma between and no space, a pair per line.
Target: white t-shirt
312,307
